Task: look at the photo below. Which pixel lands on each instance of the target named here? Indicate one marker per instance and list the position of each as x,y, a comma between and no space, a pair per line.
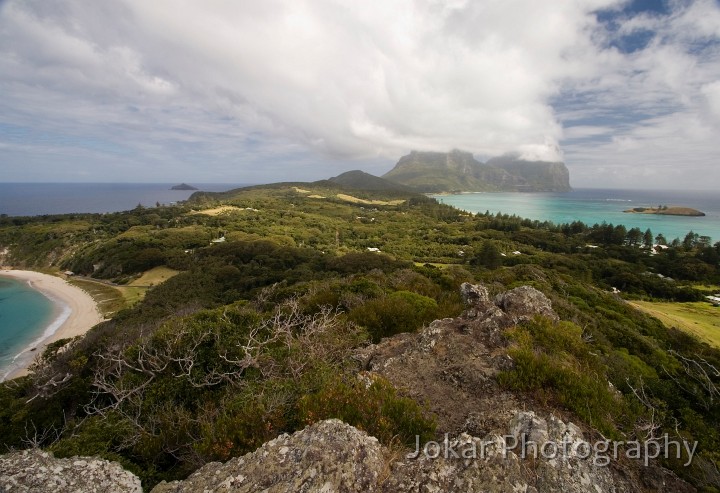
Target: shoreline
74,313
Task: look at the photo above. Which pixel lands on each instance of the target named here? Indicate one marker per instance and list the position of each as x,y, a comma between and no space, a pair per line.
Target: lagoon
24,315
594,205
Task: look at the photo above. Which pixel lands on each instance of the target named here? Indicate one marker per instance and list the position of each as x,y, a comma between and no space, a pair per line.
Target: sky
625,92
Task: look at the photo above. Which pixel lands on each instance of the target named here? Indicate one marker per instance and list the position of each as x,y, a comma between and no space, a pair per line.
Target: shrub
553,362
375,408
401,311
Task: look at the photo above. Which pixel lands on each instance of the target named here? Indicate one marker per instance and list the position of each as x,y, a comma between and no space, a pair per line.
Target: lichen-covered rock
329,456
474,295
35,471
527,425
456,360
525,302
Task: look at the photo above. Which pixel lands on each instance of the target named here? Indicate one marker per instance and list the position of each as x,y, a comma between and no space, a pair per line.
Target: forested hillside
281,285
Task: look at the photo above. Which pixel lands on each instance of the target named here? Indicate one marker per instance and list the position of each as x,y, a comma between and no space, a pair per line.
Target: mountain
459,171
183,186
365,181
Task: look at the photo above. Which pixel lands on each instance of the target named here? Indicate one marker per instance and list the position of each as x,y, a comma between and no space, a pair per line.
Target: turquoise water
24,316
593,206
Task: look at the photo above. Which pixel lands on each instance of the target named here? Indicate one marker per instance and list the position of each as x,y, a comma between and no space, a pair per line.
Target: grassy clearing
108,298
709,288
434,264
355,200
132,294
217,211
154,276
135,291
699,318
111,299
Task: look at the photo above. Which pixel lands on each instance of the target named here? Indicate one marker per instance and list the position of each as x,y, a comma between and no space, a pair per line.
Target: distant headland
184,186
664,210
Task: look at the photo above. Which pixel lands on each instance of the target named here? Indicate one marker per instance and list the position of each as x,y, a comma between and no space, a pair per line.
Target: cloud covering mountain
260,91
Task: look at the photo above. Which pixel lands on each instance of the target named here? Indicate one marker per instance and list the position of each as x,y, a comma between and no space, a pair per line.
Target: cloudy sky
627,93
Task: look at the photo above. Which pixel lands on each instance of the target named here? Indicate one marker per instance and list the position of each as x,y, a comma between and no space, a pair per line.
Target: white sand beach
76,313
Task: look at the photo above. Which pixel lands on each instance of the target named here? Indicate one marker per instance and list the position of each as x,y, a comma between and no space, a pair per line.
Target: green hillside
277,289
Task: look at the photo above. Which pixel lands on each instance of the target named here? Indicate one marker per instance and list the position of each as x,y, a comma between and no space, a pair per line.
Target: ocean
36,199
26,316
595,205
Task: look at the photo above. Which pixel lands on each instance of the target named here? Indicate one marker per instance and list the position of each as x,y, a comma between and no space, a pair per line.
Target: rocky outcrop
451,366
457,359
496,463
35,471
331,456
327,456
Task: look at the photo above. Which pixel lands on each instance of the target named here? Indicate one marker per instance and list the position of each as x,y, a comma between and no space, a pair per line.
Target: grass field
108,298
135,290
111,299
709,288
355,200
699,318
224,209
154,276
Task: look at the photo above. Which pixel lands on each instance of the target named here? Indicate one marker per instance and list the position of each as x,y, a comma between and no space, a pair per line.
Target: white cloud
659,104
711,92
211,85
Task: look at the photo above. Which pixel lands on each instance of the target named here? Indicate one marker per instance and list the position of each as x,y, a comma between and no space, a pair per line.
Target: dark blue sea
36,199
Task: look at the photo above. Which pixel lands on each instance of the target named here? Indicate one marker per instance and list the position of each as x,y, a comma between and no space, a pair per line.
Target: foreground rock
332,456
38,471
327,456
450,365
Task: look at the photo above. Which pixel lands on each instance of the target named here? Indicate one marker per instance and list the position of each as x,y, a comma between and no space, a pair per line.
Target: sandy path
78,309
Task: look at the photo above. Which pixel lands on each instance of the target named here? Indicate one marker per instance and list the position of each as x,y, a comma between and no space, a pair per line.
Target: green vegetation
554,362
242,312
699,318
108,298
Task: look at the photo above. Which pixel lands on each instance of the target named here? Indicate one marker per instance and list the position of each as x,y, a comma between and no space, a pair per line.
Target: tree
488,256
690,240
619,234
660,239
648,238
634,236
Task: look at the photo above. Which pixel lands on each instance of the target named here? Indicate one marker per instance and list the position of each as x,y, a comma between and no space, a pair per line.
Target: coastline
593,206
75,313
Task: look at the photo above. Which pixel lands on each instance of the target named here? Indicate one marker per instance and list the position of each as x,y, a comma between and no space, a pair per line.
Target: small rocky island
184,186
666,211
